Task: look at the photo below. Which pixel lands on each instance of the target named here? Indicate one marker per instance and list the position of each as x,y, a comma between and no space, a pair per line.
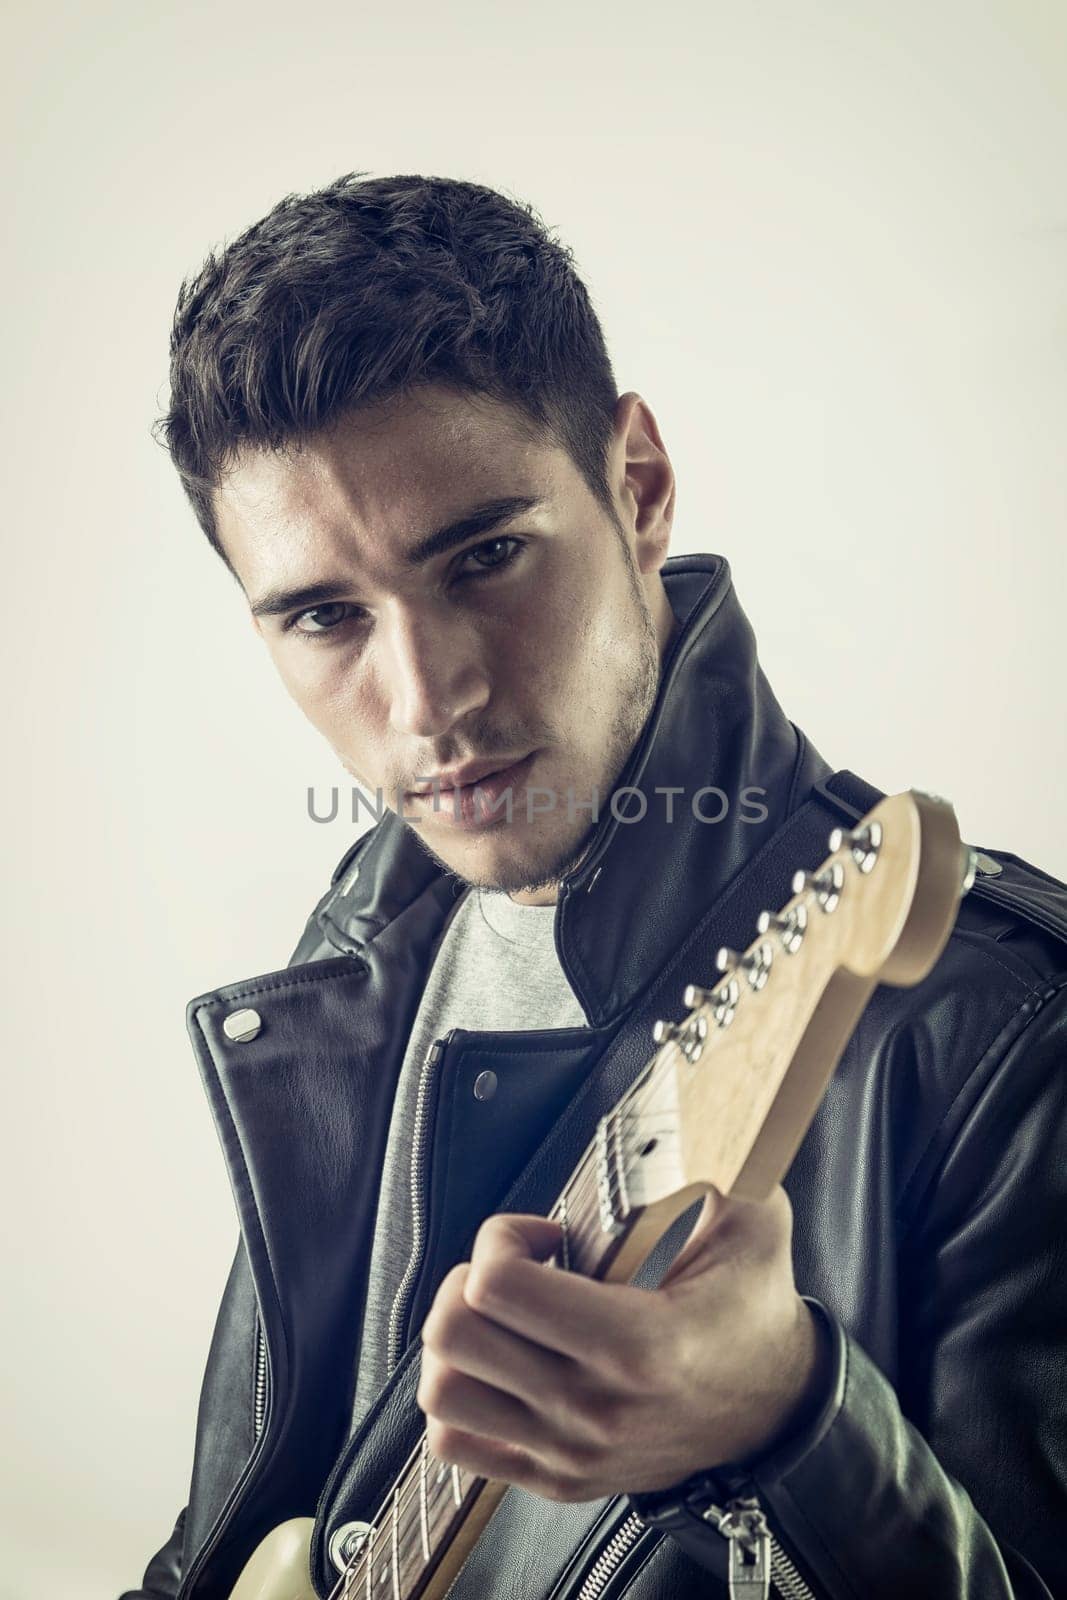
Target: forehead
378,480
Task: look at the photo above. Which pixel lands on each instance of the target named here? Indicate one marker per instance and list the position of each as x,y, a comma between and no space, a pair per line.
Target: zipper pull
745,1526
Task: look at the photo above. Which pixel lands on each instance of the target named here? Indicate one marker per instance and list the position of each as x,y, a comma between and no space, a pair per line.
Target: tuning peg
726,959
689,1036
756,965
694,996
724,998
790,926
826,884
864,843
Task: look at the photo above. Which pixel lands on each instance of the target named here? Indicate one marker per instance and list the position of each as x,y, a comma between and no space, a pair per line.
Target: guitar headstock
734,1085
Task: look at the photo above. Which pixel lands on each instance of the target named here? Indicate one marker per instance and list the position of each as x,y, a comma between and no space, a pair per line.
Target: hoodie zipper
419,1148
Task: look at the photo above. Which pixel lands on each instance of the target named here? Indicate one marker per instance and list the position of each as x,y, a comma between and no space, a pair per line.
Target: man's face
528,640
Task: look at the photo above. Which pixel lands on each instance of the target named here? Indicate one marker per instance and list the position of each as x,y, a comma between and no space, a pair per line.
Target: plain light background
827,242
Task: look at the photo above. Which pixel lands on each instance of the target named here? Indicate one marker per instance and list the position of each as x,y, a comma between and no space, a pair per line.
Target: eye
327,615
497,552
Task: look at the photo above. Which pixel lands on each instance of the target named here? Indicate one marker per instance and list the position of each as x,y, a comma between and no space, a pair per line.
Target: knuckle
437,1390
440,1325
493,1231
485,1286
437,1439
572,1459
442,1332
638,1364
593,1416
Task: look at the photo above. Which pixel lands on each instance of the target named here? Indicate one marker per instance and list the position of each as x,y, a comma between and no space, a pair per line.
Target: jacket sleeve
953,1486
164,1572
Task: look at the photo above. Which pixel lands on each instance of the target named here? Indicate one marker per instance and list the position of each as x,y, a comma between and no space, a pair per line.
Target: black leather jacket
929,1196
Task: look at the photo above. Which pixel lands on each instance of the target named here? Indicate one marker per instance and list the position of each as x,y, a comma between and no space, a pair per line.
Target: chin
511,871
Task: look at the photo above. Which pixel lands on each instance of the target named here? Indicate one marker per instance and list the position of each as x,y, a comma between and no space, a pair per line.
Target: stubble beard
637,696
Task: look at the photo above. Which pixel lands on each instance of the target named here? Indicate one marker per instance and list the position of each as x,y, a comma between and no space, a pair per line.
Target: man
395,417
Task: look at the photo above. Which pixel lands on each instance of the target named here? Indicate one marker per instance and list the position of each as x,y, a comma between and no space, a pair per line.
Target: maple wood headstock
734,1086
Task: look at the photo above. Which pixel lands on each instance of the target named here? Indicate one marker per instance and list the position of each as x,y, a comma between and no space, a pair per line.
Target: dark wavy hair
364,289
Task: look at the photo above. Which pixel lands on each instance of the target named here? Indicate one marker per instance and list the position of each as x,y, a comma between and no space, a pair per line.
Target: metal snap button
485,1086
242,1025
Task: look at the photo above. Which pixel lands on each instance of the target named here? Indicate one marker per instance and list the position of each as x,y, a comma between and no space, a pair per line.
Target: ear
647,481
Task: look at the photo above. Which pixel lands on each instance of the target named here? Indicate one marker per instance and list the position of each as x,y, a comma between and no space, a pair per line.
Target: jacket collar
649,875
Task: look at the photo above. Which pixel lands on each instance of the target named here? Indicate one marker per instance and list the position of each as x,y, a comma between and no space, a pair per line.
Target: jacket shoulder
1012,902
1019,907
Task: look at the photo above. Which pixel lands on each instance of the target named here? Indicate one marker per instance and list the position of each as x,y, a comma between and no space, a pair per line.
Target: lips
470,773
475,804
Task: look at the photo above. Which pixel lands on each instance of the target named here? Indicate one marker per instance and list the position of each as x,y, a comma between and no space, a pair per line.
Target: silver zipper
260,1401
419,1144
611,1558
757,1560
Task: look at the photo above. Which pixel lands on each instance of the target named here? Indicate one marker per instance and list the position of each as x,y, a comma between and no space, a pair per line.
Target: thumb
690,1257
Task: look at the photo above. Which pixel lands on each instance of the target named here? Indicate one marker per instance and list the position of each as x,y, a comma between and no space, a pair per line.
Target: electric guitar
725,1100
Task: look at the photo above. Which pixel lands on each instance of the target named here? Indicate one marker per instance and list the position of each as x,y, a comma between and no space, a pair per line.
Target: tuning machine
790,926
689,1036
755,965
722,999
864,843
827,884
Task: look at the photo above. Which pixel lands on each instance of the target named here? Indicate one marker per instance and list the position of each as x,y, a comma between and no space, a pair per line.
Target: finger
451,1398
564,1313
468,1341
491,1458
514,1236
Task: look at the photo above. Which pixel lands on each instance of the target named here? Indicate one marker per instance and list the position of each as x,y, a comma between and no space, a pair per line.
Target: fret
424,1525
457,1488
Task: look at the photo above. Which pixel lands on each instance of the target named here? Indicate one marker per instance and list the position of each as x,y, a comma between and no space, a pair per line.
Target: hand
573,1389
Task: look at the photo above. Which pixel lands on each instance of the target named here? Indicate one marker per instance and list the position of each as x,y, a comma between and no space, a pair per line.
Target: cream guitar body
279,1567
773,1025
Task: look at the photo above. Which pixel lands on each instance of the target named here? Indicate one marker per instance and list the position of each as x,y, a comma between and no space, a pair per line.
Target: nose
434,671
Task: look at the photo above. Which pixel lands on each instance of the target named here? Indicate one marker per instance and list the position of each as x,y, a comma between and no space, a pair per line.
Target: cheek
333,691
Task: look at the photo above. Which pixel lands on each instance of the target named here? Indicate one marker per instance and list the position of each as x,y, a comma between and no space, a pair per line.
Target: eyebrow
481,519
